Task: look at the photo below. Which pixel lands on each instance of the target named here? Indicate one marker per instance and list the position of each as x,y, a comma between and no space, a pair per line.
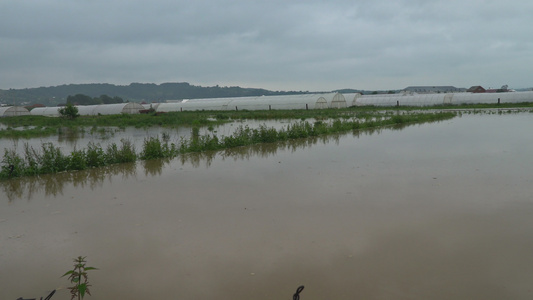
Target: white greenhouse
440,99
194,104
12,111
282,102
110,109
404,100
46,111
351,99
285,102
92,110
337,101
300,101
510,97
150,105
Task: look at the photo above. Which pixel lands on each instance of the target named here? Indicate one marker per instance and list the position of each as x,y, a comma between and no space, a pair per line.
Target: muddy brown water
432,211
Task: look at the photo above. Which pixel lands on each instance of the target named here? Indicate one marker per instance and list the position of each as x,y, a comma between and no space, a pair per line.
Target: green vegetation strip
41,126
51,160
38,126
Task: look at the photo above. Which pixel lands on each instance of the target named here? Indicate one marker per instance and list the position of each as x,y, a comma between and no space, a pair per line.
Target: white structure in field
300,101
92,110
287,102
443,99
12,111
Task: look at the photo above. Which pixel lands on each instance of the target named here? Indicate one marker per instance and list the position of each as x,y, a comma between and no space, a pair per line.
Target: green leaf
82,287
69,272
90,268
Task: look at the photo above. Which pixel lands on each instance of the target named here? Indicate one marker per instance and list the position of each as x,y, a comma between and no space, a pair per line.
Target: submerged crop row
49,159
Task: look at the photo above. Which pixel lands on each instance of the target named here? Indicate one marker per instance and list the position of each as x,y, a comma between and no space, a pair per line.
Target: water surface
433,211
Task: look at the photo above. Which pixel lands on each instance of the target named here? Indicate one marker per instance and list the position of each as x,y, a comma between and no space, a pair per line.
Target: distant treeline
135,92
81,99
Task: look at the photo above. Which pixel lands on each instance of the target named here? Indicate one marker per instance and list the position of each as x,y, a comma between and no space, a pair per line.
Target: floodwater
70,141
432,211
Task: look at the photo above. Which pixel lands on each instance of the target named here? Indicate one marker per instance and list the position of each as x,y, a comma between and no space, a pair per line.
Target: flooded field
433,211
70,141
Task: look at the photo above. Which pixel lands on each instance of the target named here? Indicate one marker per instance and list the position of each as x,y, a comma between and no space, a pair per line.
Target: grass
49,159
40,126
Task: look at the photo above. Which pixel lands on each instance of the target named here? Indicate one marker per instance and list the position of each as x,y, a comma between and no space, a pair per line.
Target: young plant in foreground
78,276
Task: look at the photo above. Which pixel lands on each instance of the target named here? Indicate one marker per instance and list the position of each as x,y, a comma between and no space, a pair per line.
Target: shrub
69,111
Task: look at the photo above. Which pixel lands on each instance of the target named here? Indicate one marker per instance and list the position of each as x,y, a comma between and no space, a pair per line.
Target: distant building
433,89
503,89
476,89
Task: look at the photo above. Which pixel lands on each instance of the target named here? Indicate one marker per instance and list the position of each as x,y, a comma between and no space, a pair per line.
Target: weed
165,136
78,276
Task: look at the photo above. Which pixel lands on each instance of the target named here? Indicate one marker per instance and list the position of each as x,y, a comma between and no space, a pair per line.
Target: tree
81,99
105,99
69,111
117,99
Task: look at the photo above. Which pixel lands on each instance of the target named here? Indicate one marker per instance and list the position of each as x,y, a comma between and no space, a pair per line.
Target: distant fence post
498,100
306,107
398,103
269,107
236,109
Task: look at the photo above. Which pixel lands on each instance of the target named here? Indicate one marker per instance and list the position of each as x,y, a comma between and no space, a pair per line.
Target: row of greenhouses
337,100
443,99
285,102
302,101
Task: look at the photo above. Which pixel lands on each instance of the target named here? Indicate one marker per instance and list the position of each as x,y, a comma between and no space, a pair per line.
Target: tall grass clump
77,160
51,160
12,165
95,156
123,154
154,147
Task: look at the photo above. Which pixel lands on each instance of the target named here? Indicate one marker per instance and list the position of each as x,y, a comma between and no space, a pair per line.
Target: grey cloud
308,45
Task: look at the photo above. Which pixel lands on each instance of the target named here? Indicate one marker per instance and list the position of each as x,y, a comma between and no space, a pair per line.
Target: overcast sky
277,45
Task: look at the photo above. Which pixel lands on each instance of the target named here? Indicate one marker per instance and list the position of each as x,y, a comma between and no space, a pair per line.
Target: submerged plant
78,276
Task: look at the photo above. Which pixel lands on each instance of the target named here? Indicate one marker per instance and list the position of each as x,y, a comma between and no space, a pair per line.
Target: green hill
135,92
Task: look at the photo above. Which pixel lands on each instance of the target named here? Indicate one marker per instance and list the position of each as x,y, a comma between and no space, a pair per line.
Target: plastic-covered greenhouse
440,99
93,110
12,111
46,111
195,104
301,101
402,100
351,98
338,101
110,109
510,97
150,105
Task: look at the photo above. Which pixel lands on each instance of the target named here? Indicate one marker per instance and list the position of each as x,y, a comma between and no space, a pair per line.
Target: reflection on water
69,139
437,211
154,167
53,184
